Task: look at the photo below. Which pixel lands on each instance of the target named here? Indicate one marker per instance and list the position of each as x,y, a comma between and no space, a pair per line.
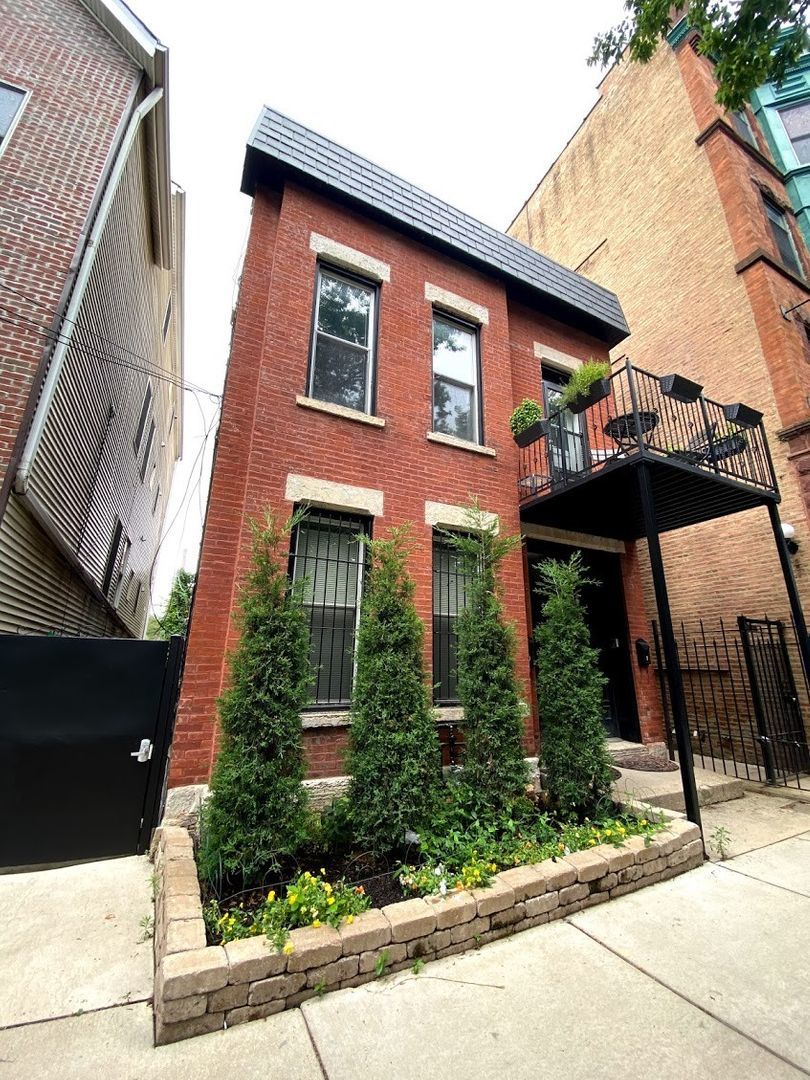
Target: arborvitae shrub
494,764
569,690
394,757
257,812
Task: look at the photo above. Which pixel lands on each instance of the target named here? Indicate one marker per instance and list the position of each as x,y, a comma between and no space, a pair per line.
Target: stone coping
201,988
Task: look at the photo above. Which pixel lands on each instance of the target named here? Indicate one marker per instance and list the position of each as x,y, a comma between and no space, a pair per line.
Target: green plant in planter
569,689
393,744
257,812
581,381
528,412
494,764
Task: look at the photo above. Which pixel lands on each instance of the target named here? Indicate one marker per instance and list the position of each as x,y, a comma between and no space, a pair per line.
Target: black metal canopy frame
649,455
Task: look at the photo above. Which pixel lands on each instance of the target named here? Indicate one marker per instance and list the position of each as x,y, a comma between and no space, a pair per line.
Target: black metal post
790,584
673,665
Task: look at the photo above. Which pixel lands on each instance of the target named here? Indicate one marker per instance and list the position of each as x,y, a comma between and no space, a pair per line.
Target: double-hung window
742,126
342,362
11,103
450,584
796,120
328,557
456,409
783,238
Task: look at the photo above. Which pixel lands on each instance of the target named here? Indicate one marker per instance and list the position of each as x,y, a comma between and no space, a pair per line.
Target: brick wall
672,219
265,436
80,82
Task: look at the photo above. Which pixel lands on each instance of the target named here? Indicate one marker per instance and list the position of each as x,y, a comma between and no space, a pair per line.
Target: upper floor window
780,230
147,450
796,120
11,100
139,430
328,556
341,366
455,379
742,125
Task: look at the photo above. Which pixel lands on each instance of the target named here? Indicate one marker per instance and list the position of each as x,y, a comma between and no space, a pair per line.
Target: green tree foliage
393,750
569,689
257,810
494,764
746,39
174,619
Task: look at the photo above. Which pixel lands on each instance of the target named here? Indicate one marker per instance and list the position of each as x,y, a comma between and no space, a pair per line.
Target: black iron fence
641,413
747,698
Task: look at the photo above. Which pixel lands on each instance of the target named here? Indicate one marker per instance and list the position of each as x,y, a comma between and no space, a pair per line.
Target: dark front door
607,621
85,725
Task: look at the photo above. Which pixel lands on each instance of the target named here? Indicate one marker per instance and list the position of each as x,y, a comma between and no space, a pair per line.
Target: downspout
21,480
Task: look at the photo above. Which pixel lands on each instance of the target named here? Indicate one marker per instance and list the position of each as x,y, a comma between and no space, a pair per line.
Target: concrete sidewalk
701,976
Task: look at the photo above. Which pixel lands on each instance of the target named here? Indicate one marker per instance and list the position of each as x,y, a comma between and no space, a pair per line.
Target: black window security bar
329,558
449,599
637,417
747,698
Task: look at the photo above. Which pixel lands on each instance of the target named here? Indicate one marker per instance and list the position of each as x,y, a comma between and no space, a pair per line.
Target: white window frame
372,286
473,331
26,97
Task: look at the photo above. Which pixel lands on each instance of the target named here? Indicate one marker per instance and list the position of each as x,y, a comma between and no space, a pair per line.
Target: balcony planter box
729,446
743,415
532,433
598,390
679,388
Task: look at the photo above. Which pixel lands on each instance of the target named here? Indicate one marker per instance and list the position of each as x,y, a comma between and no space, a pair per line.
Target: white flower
443,887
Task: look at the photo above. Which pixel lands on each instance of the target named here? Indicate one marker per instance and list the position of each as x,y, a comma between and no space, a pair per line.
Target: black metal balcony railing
638,417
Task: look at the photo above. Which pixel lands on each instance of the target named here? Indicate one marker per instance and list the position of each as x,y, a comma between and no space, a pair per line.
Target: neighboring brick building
381,341
91,311
682,211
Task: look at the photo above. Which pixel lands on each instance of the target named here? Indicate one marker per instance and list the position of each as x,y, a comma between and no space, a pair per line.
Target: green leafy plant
393,745
174,619
257,811
381,963
581,381
417,965
569,689
320,987
528,412
750,42
720,841
309,900
147,925
493,712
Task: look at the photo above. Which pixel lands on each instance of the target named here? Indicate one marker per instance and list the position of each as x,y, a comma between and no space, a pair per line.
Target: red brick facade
80,84
265,435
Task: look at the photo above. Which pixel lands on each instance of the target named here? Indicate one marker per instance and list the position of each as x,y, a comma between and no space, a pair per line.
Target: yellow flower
271,896
292,897
316,923
350,919
323,871
331,900
643,821
591,843
288,948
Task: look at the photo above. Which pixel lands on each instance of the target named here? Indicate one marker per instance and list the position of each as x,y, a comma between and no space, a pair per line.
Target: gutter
22,479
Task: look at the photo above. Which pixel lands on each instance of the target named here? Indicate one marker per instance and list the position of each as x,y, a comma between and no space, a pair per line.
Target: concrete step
664,788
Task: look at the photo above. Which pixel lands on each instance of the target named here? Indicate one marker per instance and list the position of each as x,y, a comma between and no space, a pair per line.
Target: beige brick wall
633,180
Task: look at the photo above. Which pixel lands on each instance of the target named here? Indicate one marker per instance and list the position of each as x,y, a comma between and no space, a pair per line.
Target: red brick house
381,341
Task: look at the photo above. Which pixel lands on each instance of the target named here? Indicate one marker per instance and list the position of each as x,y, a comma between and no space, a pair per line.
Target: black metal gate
747,698
85,728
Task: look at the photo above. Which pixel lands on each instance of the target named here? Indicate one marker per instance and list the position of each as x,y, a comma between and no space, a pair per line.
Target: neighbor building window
455,379
450,584
780,229
117,559
139,430
147,449
328,557
742,125
796,120
341,367
167,318
11,101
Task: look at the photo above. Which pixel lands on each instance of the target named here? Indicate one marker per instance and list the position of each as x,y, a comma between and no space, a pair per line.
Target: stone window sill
339,410
460,444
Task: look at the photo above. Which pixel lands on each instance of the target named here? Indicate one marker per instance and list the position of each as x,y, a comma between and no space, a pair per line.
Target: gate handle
144,753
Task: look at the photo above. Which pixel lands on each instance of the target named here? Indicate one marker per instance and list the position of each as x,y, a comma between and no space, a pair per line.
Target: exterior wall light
789,533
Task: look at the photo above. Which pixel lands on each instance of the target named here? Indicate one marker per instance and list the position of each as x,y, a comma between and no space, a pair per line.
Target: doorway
607,620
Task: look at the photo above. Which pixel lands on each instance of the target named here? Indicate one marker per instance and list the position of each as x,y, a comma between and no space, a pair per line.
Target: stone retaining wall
201,988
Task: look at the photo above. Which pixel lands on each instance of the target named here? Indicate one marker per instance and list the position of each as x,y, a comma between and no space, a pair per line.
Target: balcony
704,460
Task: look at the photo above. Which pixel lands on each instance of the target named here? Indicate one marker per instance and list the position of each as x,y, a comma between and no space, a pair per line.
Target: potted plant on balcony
527,422
589,383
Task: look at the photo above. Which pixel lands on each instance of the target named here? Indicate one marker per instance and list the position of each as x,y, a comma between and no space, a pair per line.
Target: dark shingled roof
280,148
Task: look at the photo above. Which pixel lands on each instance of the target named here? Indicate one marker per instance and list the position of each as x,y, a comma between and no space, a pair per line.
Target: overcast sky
470,102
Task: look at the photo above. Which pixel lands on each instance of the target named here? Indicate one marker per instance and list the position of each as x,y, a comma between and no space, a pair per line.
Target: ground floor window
449,599
328,555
